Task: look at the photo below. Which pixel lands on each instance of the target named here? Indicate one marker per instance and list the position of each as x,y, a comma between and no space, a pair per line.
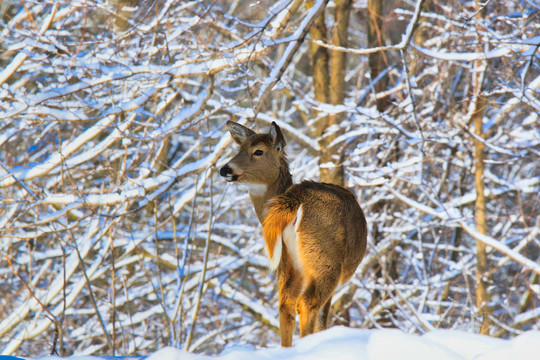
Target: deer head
261,162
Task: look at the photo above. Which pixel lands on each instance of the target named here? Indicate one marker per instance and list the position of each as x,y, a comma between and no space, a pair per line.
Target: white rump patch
290,236
256,189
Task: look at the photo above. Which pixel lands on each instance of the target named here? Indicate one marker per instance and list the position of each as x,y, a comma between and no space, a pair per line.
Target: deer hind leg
322,319
290,286
316,296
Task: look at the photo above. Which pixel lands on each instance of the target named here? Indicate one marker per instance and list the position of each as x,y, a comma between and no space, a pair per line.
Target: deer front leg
286,321
289,282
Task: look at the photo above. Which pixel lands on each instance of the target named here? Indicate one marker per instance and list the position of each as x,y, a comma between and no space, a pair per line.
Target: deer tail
281,211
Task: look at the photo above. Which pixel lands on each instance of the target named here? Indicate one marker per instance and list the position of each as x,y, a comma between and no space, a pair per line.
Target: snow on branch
405,38
504,50
454,215
497,245
10,69
24,174
281,65
252,305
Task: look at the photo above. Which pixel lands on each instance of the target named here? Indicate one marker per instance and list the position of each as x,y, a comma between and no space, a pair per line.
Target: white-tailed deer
315,233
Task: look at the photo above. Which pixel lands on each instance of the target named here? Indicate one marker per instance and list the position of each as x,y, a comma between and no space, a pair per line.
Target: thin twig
284,61
203,273
91,293
52,318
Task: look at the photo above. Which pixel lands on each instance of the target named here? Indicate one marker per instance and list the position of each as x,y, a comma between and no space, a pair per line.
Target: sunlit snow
346,343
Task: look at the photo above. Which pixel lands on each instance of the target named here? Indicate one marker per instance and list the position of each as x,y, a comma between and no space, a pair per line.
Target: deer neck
260,194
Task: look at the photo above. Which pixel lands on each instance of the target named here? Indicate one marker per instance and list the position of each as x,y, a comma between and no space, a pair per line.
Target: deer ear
239,132
277,137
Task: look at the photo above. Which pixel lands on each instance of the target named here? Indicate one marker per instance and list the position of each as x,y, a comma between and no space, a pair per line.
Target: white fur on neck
256,189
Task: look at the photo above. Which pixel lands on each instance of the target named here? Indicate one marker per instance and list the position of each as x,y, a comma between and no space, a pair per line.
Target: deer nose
224,171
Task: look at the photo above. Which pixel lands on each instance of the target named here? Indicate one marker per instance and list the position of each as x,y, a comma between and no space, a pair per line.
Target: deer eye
258,153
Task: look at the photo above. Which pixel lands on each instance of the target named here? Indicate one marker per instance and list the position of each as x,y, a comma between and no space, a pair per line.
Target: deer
315,233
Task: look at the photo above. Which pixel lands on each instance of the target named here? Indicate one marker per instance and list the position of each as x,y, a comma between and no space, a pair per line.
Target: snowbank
341,343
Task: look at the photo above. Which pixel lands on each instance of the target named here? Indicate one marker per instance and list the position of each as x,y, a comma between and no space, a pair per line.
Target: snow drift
345,343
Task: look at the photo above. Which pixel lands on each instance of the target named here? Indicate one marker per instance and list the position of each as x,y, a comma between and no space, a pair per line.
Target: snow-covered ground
341,343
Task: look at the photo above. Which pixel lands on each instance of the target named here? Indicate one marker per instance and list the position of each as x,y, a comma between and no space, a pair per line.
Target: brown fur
330,237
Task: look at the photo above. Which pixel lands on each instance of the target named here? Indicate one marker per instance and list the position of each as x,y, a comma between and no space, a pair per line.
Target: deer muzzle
227,173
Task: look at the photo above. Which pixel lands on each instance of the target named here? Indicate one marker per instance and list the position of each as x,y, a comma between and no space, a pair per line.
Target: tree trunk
332,157
328,72
482,296
122,17
377,61
319,69
476,108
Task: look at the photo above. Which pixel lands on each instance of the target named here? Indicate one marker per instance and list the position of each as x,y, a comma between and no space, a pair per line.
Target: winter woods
117,235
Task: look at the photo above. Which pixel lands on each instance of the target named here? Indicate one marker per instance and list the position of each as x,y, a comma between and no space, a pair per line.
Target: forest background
117,236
